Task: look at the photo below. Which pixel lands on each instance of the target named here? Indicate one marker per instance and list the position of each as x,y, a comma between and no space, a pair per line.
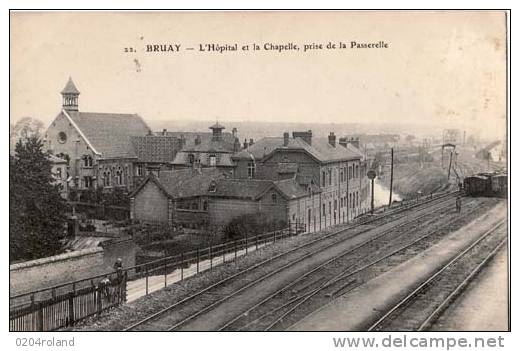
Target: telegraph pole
391,175
449,168
371,175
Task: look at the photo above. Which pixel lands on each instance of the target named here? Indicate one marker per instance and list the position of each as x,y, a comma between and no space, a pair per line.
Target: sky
440,68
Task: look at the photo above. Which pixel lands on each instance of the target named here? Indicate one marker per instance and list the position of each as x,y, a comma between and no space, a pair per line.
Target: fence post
235,244
256,242
99,302
146,277
223,254
274,236
40,316
123,286
289,227
246,243
71,308
198,259
182,265
210,257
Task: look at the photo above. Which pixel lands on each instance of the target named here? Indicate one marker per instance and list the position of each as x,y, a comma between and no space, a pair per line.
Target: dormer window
274,198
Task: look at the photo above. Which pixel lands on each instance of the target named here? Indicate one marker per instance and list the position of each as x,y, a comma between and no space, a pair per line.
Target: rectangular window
58,173
212,160
87,182
139,171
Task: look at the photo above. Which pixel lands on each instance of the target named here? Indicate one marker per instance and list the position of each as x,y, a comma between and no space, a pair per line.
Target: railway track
419,309
331,279
174,317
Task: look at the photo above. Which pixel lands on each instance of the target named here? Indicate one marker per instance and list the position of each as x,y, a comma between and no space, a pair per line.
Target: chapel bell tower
70,96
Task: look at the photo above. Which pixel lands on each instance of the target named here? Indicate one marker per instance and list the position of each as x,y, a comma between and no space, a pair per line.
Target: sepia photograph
264,171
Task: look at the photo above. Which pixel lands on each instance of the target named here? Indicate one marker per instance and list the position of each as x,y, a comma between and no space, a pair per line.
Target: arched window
251,169
119,177
87,161
274,198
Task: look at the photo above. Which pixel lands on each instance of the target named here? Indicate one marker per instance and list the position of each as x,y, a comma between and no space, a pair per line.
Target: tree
37,212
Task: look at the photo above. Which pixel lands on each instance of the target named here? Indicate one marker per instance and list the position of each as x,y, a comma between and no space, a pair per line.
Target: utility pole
371,175
449,168
391,175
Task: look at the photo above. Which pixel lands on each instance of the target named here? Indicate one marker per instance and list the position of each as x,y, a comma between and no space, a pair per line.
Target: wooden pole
391,175
449,168
372,200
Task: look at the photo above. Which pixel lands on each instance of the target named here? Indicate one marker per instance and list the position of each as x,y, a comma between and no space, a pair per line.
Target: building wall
68,267
110,168
75,146
221,211
347,196
150,204
307,166
59,172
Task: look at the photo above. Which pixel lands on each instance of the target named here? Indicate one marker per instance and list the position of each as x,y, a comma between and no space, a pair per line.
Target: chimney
355,142
164,131
251,142
234,132
236,145
245,144
332,139
306,136
285,139
197,140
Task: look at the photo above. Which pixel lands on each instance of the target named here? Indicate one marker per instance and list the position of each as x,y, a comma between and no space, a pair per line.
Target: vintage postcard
259,171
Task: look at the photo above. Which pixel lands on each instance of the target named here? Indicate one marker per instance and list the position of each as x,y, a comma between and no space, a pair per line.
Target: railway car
486,184
499,185
477,185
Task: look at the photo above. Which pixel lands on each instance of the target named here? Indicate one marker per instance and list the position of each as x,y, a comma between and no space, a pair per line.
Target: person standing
458,204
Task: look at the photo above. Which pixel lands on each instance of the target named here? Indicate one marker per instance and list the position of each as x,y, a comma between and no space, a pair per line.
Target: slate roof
217,126
182,158
110,133
241,188
204,136
70,88
55,159
211,145
320,149
155,148
290,188
188,182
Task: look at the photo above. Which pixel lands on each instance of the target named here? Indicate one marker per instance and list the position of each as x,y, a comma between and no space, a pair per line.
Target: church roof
110,133
70,88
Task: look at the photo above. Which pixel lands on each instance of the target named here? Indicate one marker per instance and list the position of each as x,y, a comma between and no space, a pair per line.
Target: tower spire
70,96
